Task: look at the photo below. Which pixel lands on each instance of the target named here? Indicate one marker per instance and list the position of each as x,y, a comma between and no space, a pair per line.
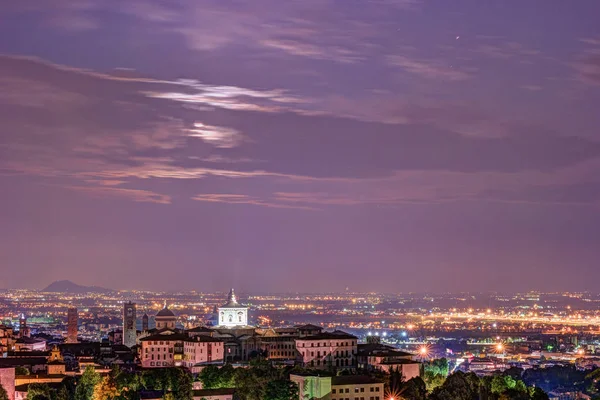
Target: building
173,349
312,387
348,387
24,331
7,338
279,344
145,322
233,314
165,319
56,363
356,387
7,380
328,350
377,356
129,329
27,343
72,322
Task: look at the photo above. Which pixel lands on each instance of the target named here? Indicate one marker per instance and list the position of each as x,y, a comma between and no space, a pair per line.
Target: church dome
165,312
231,301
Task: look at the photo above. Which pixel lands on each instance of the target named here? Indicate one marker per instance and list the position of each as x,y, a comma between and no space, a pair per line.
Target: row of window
158,364
338,363
356,390
164,356
328,344
337,353
357,398
282,354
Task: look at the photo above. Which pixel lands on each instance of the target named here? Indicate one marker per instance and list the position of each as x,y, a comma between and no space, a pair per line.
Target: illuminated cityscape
299,200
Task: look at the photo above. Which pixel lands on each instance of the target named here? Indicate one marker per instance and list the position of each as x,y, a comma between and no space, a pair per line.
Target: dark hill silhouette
66,286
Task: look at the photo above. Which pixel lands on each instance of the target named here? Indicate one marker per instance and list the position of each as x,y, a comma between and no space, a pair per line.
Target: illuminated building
311,387
145,322
23,329
356,387
56,363
232,313
376,356
328,349
169,349
72,321
129,331
165,319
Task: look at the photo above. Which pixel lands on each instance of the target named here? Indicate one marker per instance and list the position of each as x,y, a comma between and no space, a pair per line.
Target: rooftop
329,335
353,380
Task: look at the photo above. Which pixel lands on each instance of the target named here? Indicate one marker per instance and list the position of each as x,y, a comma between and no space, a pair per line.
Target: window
332,391
152,363
347,390
372,390
355,390
362,389
377,389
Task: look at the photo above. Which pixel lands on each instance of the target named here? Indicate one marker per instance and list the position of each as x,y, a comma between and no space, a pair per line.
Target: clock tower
233,314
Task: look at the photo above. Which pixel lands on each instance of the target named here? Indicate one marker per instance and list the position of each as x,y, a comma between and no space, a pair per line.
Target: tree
3,394
19,370
182,384
281,389
87,383
458,386
106,389
435,373
62,394
414,389
38,391
536,393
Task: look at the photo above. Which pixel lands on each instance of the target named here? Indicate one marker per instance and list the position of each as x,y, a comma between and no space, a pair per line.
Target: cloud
505,50
143,196
246,199
532,88
428,69
216,135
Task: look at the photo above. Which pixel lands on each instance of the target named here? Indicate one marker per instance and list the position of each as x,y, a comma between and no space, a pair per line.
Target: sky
300,145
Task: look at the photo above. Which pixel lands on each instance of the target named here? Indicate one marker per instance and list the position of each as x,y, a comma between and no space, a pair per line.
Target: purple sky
310,145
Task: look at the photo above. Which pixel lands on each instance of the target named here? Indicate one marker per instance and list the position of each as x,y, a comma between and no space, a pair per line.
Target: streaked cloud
216,135
429,69
142,196
248,200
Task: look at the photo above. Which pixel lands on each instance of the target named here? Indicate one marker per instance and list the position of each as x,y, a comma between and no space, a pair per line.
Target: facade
30,344
129,329
232,314
376,356
72,322
279,344
56,363
145,322
23,328
348,387
312,387
7,380
171,349
165,319
356,387
327,350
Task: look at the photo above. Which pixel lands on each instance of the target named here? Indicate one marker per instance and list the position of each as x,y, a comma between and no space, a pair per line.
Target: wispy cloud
246,199
143,196
429,69
217,135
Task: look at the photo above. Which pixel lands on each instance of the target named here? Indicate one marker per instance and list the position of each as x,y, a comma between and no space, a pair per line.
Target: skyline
393,146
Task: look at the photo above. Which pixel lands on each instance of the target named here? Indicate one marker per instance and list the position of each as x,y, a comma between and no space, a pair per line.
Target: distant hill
70,287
